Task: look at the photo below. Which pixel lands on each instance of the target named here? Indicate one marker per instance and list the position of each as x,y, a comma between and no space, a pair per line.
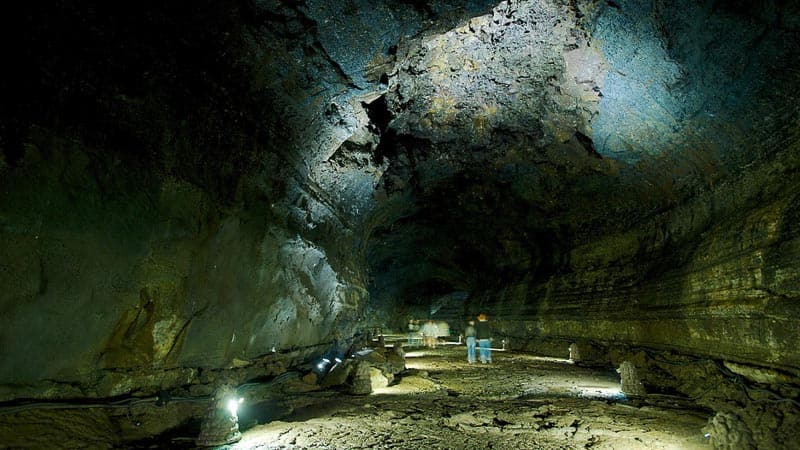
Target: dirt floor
518,401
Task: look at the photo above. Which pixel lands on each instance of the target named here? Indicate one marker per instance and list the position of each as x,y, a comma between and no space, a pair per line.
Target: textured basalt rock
210,193
650,212
183,189
141,247
159,278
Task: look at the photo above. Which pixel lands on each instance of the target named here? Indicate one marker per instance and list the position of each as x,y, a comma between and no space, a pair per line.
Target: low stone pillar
361,381
631,382
220,425
727,431
574,352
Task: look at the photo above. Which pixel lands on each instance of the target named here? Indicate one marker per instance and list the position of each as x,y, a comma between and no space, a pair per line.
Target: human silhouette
469,334
483,333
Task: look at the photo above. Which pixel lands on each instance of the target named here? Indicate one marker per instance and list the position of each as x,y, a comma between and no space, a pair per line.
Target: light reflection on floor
541,399
589,387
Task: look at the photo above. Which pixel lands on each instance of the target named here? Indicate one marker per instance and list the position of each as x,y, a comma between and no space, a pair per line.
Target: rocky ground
518,402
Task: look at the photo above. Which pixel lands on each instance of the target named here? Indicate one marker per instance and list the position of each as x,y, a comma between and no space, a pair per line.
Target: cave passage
220,219
519,401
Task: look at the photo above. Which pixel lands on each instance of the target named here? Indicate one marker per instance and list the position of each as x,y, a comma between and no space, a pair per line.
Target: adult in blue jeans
483,332
469,334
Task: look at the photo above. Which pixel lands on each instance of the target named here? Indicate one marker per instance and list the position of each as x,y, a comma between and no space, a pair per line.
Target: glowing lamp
233,405
221,423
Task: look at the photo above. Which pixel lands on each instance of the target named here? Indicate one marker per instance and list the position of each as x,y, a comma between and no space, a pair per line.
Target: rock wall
191,192
507,146
700,302
118,280
714,277
184,187
615,177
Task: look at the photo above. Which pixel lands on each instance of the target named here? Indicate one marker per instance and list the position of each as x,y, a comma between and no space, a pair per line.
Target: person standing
483,333
429,334
469,334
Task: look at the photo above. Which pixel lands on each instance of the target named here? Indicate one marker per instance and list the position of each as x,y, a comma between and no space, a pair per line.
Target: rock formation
225,190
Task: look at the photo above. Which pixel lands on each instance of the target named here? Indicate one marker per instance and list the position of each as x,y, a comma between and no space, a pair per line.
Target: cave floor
519,401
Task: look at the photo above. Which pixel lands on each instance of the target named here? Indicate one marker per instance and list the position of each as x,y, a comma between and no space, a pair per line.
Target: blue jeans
486,350
471,349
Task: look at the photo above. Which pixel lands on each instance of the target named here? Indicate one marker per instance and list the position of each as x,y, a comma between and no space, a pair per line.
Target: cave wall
616,177
535,129
715,277
191,189
156,218
616,172
184,187
117,280
702,303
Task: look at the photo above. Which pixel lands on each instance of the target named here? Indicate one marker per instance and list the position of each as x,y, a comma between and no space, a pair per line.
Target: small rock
361,382
310,378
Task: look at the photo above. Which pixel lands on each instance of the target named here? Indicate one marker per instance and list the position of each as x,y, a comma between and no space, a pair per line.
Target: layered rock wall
702,302
715,278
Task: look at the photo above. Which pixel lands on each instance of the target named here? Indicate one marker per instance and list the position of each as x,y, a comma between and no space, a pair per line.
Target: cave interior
202,195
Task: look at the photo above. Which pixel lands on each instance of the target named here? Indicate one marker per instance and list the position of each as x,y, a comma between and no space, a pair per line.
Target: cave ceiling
460,142
522,133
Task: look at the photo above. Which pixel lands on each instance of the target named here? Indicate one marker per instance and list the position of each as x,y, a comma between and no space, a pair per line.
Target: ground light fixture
221,423
233,405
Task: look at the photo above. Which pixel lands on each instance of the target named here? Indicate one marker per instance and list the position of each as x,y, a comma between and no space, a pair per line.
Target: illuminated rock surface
442,402
518,403
216,192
